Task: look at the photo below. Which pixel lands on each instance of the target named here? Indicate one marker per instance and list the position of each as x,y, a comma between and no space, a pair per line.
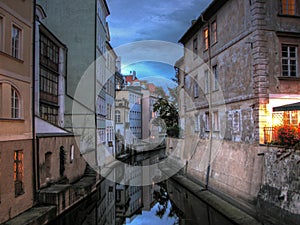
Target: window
288,7
49,113
195,47
16,42
205,39
206,77
289,61
18,172
216,121
15,104
291,117
207,122
196,87
71,153
197,123
49,78
1,33
213,32
118,116
216,77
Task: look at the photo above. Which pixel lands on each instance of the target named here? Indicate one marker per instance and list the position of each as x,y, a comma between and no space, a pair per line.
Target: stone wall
279,196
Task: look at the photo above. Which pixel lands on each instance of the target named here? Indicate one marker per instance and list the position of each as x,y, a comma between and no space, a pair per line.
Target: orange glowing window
18,172
288,7
205,38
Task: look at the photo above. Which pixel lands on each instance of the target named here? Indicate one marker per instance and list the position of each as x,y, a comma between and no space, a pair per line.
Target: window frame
2,29
289,59
18,175
216,123
286,8
196,87
207,83
214,32
118,116
15,104
205,38
195,48
16,49
216,77
207,121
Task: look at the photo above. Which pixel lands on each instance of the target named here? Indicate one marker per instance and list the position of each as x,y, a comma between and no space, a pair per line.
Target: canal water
163,203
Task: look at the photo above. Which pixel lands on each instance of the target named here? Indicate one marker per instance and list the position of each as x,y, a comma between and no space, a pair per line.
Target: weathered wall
279,196
11,205
51,145
236,169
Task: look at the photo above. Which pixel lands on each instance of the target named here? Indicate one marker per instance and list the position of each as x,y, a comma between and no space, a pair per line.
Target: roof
209,12
288,107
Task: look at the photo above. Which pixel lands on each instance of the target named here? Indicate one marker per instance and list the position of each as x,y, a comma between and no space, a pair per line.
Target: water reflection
166,203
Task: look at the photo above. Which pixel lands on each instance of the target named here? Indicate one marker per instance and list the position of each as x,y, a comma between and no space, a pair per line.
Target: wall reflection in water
166,203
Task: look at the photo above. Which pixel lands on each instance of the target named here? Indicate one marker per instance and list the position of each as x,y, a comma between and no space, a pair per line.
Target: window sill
288,16
10,56
289,78
12,119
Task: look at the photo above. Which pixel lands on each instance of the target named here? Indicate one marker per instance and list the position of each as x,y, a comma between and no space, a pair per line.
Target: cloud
167,20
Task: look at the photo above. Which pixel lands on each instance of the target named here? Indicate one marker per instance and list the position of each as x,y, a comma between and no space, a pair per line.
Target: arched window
15,104
118,116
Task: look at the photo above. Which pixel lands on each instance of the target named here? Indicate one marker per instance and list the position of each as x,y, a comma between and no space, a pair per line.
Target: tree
169,114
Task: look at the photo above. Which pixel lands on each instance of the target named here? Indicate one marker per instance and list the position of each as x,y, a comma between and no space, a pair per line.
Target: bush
287,135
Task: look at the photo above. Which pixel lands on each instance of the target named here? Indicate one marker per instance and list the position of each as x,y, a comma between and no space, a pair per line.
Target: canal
118,202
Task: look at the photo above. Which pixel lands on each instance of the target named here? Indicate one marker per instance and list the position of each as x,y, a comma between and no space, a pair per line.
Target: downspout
209,104
34,167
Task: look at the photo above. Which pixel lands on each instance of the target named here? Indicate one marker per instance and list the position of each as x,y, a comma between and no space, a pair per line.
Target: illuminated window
18,172
291,117
205,39
16,42
15,104
289,61
288,7
214,32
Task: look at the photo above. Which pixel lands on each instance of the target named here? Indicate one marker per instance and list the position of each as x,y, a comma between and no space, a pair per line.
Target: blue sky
149,218
139,20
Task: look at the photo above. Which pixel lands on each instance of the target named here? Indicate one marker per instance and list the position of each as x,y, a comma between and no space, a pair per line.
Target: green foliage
169,114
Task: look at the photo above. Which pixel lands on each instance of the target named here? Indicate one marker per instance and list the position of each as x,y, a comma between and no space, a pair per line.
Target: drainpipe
209,104
34,172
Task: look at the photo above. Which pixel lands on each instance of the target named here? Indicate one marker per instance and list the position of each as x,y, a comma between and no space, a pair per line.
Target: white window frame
289,59
15,104
197,123
16,44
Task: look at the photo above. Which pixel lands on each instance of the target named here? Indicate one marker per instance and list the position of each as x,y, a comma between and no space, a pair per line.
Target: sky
132,22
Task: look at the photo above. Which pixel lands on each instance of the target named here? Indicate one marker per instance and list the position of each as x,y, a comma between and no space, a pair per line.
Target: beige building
16,147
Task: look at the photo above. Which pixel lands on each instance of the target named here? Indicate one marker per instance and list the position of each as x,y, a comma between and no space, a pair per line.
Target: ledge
289,78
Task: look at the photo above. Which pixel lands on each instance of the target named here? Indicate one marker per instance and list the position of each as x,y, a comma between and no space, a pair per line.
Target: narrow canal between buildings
163,203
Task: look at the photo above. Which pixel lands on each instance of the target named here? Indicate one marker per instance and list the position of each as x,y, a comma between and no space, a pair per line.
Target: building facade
230,82
16,133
